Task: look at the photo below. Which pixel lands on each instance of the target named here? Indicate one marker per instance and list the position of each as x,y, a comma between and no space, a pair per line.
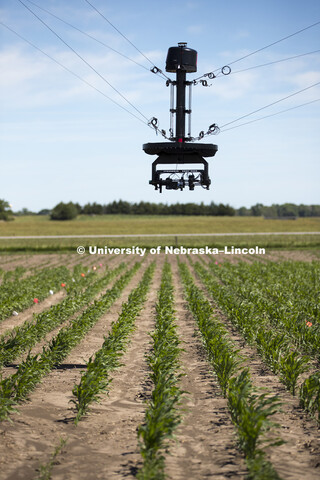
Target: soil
104,445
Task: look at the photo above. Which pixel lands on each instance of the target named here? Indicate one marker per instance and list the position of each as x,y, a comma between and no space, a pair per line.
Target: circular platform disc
203,149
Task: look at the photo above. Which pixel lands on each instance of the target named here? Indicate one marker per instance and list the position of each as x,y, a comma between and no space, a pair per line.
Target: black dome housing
181,58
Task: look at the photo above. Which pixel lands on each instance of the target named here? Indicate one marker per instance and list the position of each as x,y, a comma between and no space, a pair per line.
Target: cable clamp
153,122
213,129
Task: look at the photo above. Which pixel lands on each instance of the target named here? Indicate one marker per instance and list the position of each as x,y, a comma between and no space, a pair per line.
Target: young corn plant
291,366
310,395
97,376
251,412
162,413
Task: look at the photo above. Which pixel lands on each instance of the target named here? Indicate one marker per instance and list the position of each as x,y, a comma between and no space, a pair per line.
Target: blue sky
61,140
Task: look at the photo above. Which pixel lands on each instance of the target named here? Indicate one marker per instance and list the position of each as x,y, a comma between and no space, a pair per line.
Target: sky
64,140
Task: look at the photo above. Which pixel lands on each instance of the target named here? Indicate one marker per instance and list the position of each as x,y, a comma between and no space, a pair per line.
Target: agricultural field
299,233
160,366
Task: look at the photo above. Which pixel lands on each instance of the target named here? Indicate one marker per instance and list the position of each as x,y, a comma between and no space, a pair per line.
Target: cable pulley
226,70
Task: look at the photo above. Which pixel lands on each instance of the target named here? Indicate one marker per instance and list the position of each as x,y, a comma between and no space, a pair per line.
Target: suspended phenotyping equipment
179,152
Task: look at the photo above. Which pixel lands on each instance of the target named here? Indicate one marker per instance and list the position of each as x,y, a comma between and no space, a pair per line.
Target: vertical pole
189,110
181,105
172,110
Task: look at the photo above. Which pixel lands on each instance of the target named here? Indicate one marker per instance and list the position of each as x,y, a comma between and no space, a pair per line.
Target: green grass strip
30,372
162,414
97,376
250,411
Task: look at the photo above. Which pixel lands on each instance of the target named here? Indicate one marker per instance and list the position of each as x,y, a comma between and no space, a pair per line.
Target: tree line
68,211
287,210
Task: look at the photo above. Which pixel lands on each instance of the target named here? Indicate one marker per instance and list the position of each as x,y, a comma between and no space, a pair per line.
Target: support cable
270,104
154,69
113,26
87,34
271,115
85,61
259,50
72,73
153,123
274,62
215,129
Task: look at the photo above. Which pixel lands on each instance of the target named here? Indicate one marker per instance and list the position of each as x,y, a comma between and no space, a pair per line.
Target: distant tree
213,209
5,211
288,210
315,210
64,211
25,211
79,208
124,207
256,210
243,212
270,212
225,210
92,209
162,209
44,211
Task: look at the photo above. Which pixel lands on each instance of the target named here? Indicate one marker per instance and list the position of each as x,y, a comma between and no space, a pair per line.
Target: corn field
156,367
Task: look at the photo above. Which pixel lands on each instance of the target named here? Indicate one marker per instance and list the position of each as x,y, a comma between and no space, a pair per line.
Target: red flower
63,284
35,300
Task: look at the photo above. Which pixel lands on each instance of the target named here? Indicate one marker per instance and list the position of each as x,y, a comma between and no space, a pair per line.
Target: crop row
287,295
30,372
97,375
18,295
274,346
11,275
250,411
24,337
162,415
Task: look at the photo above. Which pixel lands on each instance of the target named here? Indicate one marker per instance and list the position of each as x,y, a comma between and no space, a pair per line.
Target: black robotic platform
170,153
